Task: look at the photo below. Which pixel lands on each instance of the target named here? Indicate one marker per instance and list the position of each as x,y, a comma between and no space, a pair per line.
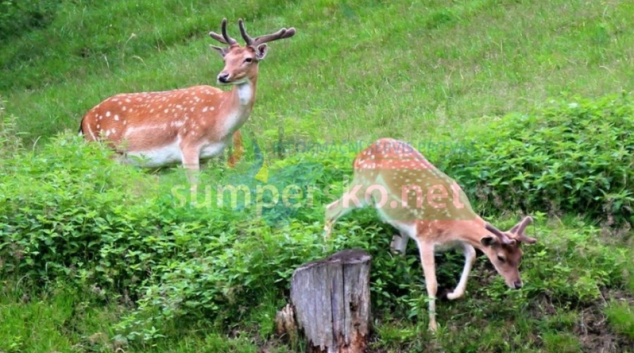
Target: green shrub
573,156
68,212
60,210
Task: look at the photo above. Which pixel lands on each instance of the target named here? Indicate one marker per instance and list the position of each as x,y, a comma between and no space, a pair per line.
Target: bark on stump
331,302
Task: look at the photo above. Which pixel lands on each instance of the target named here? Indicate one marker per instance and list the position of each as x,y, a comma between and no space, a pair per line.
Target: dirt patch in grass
594,333
591,327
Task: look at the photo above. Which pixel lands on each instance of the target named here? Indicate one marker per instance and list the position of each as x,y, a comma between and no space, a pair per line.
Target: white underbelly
166,155
211,150
170,154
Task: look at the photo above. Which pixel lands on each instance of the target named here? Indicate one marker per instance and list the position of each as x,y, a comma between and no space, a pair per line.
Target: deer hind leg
341,207
429,269
399,243
469,257
191,162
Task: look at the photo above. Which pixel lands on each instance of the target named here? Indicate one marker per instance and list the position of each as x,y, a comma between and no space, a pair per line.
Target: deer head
504,252
241,63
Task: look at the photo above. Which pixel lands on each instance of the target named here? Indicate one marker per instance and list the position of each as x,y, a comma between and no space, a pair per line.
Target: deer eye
501,259
248,60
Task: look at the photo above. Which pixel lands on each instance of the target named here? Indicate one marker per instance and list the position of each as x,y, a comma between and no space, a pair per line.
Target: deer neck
244,93
472,231
242,98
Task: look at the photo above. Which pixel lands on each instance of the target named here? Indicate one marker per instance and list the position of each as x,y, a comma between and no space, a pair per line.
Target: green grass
56,320
356,70
621,316
60,319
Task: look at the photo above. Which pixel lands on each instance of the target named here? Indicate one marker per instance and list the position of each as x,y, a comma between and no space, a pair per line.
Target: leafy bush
60,208
573,156
68,212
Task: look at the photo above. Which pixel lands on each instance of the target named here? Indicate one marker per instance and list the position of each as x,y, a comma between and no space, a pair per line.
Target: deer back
406,186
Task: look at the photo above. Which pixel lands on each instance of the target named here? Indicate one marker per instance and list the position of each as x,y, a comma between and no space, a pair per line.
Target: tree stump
330,303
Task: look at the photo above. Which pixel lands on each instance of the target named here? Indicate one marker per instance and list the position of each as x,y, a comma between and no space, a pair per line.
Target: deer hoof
454,295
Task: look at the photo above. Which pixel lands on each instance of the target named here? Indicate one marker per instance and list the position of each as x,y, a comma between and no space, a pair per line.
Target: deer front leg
333,211
341,207
469,257
429,269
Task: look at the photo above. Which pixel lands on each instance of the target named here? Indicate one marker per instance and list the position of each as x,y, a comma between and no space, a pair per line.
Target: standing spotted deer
189,124
426,205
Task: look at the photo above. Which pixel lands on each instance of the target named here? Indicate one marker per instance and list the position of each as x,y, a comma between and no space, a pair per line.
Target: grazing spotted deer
426,205
189,124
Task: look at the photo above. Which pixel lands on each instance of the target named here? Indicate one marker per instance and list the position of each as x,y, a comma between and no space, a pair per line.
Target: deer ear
488,240
219,50
260,51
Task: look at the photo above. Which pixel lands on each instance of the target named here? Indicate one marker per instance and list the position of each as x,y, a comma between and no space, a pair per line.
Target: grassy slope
359,69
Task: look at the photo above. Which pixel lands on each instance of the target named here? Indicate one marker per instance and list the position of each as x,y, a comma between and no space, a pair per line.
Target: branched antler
281,34
520,227
517,232
503,237
224,38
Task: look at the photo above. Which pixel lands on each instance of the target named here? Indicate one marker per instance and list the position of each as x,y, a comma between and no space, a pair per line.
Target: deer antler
281,34
518,230
225,39
503,237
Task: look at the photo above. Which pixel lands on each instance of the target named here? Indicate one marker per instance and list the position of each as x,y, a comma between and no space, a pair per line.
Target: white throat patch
245,92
